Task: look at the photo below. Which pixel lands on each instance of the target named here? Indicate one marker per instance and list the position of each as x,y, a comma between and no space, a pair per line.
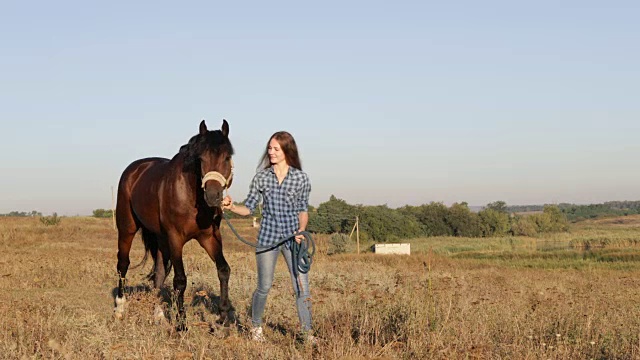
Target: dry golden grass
467,298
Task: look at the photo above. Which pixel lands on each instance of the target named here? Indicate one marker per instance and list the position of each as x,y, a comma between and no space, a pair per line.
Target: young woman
284,189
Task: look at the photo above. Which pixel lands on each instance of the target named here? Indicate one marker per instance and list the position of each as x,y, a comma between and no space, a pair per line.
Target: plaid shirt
281,203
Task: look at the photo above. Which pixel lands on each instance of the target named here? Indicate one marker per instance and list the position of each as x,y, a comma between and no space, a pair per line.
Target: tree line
576,213
383,224
33,213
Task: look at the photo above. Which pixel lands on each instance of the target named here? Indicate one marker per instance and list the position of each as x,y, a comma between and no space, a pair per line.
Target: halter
214,175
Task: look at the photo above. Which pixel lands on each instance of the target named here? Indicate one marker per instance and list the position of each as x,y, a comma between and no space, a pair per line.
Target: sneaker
310,339
256,334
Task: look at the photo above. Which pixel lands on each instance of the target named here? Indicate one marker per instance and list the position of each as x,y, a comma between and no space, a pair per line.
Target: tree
494,222
33,213
462,221
382,224
499,206
333,216
552,219
102,213
524,226
432,218
558,221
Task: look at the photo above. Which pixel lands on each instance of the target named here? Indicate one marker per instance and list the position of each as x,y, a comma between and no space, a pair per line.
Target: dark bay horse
172,202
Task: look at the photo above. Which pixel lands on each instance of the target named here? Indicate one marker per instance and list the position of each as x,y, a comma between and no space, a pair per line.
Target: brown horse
174,201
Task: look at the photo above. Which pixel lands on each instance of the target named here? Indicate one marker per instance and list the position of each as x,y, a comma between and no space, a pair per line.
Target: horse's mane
213,141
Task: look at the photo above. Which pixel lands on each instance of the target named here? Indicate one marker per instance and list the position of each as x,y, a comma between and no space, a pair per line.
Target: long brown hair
288,146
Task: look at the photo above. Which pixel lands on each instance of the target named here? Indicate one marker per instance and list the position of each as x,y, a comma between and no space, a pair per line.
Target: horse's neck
186,182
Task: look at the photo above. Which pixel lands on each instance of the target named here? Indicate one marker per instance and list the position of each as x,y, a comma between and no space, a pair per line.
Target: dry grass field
574,295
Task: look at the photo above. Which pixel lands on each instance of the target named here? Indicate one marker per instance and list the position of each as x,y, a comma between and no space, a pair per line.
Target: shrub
524,226
50,220
494,222
102,213
338,244
557,219
542,221
551,220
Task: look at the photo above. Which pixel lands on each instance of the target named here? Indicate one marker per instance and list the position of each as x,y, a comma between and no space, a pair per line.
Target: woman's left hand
227,203
299,238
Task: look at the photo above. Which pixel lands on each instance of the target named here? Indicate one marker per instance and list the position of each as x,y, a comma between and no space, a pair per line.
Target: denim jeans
266,263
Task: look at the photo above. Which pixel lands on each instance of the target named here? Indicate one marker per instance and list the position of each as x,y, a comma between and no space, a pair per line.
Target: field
573,295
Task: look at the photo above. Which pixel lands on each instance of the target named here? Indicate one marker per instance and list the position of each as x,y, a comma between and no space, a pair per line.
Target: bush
558,220
102,213
542,221
338,244
524,226
50,220
494,222
551,220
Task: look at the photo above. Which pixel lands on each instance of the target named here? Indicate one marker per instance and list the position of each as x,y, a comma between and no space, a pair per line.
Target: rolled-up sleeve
303,201
254,195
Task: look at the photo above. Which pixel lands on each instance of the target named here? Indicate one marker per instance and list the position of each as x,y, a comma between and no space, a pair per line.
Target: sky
397,103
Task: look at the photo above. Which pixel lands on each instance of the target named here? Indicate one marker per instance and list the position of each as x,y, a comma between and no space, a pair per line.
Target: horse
172,202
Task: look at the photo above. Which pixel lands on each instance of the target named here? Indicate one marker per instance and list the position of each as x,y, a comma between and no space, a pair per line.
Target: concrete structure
403,249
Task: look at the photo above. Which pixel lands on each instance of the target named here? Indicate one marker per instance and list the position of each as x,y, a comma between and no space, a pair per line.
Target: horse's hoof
158,315
118,311
231,317
226,318
222,320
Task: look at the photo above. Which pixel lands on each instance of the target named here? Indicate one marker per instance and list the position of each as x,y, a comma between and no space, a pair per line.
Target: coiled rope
301,257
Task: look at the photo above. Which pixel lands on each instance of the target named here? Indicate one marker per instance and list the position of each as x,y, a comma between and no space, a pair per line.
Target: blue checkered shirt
281,203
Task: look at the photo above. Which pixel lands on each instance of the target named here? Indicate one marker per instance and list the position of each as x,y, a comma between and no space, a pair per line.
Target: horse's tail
150,242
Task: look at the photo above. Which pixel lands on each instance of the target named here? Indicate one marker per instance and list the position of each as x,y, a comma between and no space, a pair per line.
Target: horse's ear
203,127
225,128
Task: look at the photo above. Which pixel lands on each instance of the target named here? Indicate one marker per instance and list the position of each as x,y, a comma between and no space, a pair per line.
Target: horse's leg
150,241
176,244
213,247
125,239
160,274
156,245
161,268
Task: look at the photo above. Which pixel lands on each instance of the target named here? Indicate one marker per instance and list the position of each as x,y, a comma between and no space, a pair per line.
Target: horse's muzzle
213,197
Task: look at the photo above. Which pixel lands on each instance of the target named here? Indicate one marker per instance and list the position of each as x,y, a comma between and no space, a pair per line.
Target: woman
284,189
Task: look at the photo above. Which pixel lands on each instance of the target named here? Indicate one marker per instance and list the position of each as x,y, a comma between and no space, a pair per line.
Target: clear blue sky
390,102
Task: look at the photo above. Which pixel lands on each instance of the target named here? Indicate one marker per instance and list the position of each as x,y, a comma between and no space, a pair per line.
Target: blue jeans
266,263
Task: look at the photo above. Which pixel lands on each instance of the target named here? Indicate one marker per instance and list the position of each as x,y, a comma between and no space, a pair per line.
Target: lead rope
301,258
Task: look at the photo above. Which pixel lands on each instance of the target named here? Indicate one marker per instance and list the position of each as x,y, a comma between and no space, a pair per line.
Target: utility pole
358,234
113,209
356,228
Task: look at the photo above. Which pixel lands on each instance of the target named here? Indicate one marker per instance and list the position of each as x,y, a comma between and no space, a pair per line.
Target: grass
512,297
